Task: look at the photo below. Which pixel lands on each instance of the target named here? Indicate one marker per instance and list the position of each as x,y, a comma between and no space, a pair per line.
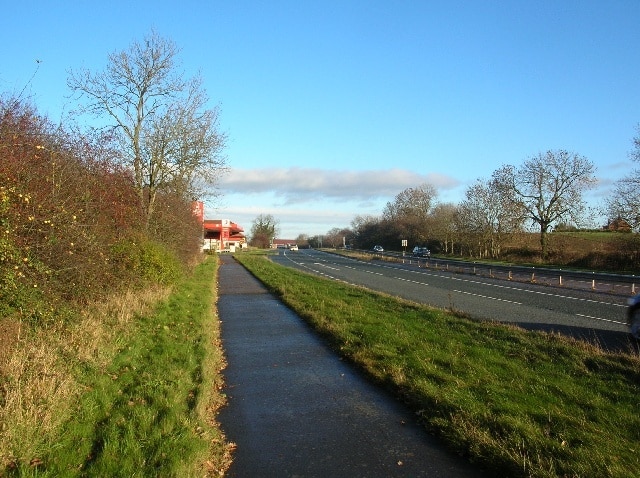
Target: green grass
517,403
148,412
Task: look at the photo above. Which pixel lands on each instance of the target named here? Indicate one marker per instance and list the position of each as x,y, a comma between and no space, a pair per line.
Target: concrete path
296,410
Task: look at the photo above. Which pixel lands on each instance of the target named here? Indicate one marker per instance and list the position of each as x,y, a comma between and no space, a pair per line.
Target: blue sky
334,107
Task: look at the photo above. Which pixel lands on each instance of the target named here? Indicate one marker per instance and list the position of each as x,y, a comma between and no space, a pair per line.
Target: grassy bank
126,395
517,403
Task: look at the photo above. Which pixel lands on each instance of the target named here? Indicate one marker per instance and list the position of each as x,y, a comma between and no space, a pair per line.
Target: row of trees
545,191
85,211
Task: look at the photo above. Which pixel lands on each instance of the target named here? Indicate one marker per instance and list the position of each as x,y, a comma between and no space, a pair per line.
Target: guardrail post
509,275
533,277
593,284
633,288
560,281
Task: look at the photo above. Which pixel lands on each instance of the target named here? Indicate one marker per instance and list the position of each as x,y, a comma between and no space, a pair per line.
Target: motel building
219,234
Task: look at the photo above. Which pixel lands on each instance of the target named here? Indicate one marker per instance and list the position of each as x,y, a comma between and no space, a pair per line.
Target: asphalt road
588,315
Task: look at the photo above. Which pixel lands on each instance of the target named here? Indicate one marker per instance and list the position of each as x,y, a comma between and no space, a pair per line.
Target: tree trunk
544,241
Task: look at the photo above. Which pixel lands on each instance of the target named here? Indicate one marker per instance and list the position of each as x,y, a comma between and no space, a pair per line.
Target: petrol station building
219,234
223,235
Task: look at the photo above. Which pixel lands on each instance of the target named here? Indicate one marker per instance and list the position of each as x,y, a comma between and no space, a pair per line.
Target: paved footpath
296,410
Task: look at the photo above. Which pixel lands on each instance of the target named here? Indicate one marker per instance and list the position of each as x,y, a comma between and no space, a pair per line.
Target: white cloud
314,200
295,184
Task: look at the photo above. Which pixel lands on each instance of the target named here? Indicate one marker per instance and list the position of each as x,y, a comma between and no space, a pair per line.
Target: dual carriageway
566,303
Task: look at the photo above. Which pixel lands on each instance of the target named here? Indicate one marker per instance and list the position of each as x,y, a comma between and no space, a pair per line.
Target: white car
293,247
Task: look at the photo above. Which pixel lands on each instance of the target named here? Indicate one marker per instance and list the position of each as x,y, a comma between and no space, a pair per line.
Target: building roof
219,224
283,242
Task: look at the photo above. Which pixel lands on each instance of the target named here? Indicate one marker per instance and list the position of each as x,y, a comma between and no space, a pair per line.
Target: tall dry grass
38,376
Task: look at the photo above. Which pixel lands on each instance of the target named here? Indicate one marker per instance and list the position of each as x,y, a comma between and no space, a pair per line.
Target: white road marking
600,318
487,297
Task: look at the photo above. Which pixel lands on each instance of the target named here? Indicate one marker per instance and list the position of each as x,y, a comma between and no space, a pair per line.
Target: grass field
604,251
135,394
124,394
520,404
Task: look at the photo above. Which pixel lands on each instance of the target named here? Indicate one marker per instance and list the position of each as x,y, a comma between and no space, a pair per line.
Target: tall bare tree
168,137
548,187
624,202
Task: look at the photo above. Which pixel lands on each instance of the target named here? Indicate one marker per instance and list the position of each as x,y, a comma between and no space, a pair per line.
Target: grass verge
140,394
518,403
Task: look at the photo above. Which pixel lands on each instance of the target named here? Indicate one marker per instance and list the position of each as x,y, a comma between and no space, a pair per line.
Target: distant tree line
543,194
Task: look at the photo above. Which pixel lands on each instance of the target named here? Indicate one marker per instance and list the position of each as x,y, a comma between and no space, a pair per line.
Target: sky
332,108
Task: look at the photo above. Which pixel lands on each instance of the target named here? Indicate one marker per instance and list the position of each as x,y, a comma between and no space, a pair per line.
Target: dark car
633,316
421,252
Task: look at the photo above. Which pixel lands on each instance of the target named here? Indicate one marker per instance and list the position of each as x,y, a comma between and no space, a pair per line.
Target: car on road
633,316
377,249
419,251
293,247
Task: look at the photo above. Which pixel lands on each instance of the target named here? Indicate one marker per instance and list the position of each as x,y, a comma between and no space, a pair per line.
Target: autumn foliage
71,226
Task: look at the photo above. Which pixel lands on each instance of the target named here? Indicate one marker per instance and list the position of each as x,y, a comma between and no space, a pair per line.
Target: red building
282,243
218,234
222,234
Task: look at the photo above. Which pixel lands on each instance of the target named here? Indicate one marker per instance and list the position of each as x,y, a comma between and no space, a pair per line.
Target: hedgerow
72,229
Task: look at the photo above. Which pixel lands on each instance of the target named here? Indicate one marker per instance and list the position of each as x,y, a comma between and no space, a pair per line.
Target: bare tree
367,231
337,237
443,225
624,202
548,188
409,213
488,217
416,202
302,240
263,230
167,136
